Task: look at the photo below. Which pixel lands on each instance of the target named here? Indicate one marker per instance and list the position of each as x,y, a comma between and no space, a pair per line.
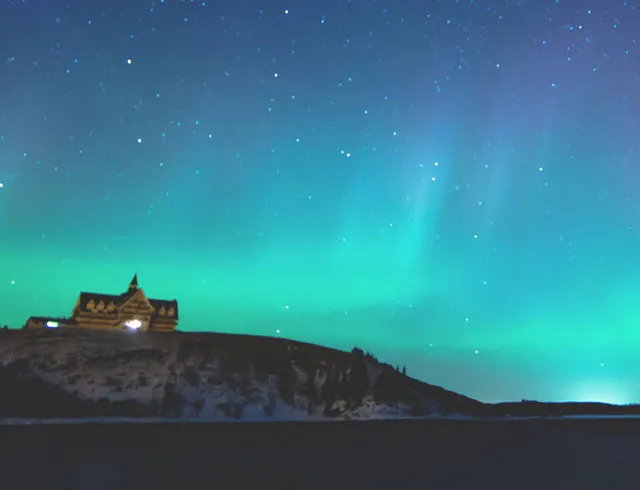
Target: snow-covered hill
78,373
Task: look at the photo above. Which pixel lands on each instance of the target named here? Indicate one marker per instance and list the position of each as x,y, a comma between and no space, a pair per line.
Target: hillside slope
79,373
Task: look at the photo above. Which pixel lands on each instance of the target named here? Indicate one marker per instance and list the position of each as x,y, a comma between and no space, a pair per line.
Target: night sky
451,185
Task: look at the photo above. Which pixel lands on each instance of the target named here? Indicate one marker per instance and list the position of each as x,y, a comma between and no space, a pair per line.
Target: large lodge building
131,310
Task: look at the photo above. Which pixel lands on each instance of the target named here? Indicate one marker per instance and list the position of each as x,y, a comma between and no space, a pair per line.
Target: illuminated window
91,305
100,305
52,324
171,312
162,311
133,324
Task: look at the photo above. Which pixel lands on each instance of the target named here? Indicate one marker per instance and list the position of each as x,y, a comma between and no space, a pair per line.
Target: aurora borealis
452,185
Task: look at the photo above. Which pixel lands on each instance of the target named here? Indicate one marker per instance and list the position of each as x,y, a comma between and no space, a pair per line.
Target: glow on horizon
602,391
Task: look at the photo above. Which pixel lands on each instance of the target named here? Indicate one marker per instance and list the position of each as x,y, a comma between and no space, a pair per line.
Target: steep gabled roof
120,299
140,294
158,303
133,285
117,299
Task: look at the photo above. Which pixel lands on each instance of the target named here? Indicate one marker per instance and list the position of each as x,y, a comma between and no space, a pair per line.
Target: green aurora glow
310,205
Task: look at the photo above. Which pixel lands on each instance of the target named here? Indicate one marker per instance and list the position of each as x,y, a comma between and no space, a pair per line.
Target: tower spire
133,285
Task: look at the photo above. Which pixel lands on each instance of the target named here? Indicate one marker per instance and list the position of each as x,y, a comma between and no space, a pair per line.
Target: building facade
131,310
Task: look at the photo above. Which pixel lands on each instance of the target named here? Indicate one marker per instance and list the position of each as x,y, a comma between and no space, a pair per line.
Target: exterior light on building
133,324
130,311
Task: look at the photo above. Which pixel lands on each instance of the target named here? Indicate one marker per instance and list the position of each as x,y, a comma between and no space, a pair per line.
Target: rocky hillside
81,373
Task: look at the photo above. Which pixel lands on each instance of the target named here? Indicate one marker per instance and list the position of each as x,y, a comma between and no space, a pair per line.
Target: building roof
119,299
66,321
134,283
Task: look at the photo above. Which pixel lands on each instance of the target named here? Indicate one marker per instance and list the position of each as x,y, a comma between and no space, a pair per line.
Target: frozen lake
438,454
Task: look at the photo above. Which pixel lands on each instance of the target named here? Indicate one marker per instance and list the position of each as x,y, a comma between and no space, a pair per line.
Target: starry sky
452,185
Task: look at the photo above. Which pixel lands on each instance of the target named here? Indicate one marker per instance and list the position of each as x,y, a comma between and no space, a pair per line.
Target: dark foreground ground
438,455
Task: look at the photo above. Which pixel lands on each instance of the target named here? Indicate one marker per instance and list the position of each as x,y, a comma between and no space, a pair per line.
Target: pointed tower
133,285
